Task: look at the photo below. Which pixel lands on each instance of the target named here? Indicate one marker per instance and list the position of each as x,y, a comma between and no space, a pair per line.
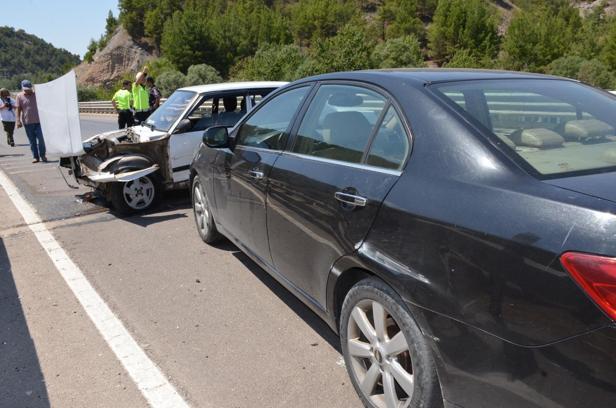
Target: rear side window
267,128
390,145
339,123
555,126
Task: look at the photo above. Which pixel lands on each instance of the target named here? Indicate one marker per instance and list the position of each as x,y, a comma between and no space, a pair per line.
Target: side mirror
183,126
216,137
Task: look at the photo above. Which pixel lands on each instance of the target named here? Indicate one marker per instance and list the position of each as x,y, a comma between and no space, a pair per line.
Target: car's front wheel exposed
136,195
388,360
203,216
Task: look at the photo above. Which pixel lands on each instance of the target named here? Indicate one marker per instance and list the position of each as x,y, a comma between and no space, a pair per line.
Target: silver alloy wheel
380,355
139,194
202,213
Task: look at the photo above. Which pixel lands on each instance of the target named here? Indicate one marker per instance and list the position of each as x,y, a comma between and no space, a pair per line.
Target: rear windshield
555,126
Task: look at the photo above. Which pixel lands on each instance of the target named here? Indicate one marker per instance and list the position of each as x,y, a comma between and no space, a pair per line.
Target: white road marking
148,378
37,170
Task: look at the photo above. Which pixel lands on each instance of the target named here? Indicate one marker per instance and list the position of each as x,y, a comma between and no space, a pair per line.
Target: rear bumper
478,370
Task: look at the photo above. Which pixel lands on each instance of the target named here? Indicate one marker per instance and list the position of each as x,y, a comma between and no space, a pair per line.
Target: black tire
204,220
121,201
417,359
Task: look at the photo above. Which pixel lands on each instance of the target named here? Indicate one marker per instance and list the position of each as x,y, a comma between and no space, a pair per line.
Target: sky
68,24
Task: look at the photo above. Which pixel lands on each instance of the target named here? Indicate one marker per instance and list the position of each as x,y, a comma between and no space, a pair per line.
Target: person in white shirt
7,114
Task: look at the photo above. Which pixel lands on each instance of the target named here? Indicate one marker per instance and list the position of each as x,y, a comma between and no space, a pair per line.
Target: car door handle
255,174
351,199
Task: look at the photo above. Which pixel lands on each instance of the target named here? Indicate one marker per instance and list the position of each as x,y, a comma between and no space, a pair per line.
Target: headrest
585,129
539,137
345,99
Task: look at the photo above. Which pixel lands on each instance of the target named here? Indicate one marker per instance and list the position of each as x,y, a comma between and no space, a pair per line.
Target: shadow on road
300,309
11,155
21,383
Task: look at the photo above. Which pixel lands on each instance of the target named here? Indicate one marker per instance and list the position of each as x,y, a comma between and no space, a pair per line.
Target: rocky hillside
120,56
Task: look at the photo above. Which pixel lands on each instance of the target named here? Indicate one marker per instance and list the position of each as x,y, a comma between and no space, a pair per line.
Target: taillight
596,275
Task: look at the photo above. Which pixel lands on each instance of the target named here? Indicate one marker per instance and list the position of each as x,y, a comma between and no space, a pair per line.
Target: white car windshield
169,112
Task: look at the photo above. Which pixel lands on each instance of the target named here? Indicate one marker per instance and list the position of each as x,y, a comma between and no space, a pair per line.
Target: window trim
264,101
362,166
389,101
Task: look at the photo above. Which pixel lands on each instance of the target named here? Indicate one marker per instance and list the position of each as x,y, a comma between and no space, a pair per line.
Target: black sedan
456,228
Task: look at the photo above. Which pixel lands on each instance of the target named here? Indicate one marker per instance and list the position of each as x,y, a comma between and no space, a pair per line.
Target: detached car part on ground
132,167
456,228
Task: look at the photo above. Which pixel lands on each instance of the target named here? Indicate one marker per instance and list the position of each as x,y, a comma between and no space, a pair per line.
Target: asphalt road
219,328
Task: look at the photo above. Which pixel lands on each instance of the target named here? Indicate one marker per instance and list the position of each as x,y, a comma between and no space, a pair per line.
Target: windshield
170,111
555,126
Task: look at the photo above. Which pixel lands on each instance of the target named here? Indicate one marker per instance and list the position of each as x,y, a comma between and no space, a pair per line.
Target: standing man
141,97
121,102
27,116
155,94
7,114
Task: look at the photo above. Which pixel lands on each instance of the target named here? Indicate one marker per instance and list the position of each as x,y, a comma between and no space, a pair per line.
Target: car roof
232,86
431,75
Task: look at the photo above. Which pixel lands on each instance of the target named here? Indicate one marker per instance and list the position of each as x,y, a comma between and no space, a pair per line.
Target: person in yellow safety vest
122,101
141,97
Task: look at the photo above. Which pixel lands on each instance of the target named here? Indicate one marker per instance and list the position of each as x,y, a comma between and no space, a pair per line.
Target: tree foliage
399,18
398,52
313,20
284,39
541,35
202,74
27,56
270,63
463,24
351,49
169,81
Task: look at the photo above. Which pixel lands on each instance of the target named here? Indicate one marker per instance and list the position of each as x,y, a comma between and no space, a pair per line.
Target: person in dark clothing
154,92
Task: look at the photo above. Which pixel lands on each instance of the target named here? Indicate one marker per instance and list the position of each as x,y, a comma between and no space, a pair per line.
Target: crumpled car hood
142,134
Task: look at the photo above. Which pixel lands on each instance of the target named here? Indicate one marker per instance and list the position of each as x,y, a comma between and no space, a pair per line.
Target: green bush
467,59
539,36
313,20
350,50
169,81
596,73
159,65
399,17
398,52
270,63
568,66
463,24
202,74
86,93
187,38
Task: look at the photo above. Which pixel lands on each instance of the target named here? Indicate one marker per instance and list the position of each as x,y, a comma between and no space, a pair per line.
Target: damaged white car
131,167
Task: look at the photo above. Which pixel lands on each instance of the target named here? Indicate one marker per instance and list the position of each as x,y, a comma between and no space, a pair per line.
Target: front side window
555,126
223,110
339,123
267,128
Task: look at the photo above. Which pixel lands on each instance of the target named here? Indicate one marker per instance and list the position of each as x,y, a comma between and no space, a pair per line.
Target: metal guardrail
100,107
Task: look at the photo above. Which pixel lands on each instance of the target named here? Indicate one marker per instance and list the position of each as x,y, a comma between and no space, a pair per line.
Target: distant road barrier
99,107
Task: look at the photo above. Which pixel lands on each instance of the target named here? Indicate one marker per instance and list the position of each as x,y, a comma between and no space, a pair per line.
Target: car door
242,172
208,112
325,191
